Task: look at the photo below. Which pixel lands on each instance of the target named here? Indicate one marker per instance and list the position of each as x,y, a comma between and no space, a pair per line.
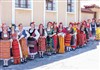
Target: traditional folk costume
98,32
55,40
74,33
82,39
5,45
78,35
42,42
49,41
68,40
22,36
16,50
61,36
32,42
93,28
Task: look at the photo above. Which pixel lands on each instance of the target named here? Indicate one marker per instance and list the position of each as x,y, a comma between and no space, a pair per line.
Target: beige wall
23,16
51,16
6,11
70,17
0,12
85,16
39,14
38,11
62,9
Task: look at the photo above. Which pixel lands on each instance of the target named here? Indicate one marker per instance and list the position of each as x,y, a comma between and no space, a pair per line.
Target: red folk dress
15,49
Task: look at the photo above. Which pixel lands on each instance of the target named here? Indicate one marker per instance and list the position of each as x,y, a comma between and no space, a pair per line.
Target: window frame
52,7
70,6
20,5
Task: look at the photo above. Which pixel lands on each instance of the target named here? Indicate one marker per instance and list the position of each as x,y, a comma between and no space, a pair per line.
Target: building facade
39,11
90,11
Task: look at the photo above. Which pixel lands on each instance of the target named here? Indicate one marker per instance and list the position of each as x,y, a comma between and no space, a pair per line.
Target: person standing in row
49,39
5,43
55,37
32,40
61,36
42,40
15,45
22,36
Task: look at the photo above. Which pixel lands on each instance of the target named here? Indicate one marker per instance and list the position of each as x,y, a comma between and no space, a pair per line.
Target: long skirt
32,44
24,47
49,42
55,42
16,51
98,33
82,39
61,44
5,49
67,40
42,44
78,39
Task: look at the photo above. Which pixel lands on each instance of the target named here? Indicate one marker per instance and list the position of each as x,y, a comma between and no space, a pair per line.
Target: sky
89,2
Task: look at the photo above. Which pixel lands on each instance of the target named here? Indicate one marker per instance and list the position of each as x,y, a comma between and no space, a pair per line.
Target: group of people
22,44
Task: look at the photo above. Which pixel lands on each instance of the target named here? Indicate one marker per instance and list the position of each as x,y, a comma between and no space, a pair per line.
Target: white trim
23,9
80,13
13,11
75,10
70,13
57,11
51,11
32,10
44,13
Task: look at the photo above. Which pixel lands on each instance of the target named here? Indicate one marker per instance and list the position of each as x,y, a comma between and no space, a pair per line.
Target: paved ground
83,58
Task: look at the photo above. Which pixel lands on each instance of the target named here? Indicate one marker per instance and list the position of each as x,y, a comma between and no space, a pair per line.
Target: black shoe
5,65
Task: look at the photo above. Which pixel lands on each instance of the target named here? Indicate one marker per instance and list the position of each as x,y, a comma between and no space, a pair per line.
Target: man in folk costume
16,49
22,36
93,28
32,40
5,45
61,36
42,40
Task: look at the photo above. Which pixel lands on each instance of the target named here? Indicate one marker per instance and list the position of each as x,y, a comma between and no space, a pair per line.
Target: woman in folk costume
93,28
55,37
32,40
68,37
75,36
61,35
82,35
49,39
88,27
98,30
42,40
5,45
78,34
16,49
22,36
86,30
72,33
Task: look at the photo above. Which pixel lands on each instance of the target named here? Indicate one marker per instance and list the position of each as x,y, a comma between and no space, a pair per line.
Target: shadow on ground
50,59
